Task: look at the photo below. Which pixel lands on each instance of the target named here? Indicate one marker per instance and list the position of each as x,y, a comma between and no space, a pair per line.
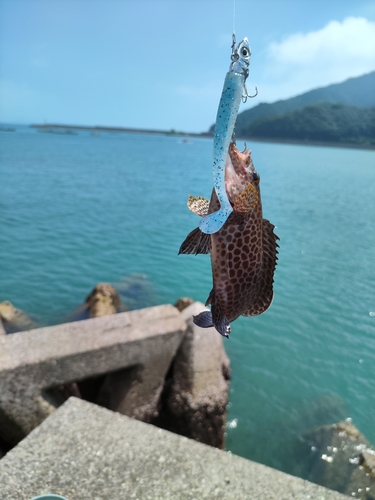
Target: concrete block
2,329
85,452
198,394
32,362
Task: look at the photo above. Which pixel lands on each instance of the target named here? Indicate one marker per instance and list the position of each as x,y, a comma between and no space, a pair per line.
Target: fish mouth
237,171
240,160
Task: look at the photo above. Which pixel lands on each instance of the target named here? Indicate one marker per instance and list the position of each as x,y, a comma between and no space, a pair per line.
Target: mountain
319,122
358,91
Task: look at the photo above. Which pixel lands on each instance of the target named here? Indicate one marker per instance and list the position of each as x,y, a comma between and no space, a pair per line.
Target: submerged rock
136,291
183,302
14,320
103,300
341,459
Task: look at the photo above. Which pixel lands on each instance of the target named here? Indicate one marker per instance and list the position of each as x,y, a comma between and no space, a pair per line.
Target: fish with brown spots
243,252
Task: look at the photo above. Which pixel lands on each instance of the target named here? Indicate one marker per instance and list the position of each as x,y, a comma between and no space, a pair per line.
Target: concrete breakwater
149,364
156,366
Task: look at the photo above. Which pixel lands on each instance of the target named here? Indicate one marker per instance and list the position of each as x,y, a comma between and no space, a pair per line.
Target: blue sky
161,63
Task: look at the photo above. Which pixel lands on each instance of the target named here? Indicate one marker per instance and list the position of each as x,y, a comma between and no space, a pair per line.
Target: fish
243,252
234,90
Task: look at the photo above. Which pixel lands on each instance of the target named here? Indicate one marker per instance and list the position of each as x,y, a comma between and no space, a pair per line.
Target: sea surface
80,209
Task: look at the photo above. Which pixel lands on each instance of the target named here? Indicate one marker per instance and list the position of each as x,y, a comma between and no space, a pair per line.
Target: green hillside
358,92
320,122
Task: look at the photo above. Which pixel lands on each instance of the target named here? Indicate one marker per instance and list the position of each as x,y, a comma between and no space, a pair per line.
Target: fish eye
256,177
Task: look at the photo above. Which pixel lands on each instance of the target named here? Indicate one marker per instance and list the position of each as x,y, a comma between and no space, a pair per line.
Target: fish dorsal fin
265,284
196,242
198,205
246,201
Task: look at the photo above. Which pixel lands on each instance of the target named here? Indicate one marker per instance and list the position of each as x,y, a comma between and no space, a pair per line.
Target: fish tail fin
207,319
220,321
204,319
212,223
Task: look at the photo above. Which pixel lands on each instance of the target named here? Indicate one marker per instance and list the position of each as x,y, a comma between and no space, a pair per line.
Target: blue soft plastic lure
233,91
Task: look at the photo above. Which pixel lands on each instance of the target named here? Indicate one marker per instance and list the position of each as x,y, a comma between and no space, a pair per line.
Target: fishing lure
234,91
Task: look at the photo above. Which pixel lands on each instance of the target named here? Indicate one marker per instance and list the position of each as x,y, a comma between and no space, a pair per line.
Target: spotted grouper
243,252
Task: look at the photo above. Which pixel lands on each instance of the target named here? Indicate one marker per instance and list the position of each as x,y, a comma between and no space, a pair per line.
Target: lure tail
212,223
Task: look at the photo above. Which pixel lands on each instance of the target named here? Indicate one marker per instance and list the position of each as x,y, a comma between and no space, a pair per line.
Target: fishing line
234,20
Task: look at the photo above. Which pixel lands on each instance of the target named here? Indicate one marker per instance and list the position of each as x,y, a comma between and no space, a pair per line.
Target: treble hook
244,97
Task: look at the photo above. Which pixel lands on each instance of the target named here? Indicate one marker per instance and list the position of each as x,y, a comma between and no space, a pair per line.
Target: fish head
241,180
241,58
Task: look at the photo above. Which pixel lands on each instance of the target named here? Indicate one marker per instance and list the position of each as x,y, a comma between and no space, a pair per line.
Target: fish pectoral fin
204,319
246,201
265,284
198,205
196,242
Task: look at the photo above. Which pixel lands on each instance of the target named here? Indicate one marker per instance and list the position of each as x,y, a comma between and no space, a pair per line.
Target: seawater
79,209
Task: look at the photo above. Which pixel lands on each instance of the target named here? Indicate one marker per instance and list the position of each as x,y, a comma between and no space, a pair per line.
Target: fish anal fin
210,297
196,242
198,205
246,201
265,283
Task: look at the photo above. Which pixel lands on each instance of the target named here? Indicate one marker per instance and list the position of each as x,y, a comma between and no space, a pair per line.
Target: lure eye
256,177
244,52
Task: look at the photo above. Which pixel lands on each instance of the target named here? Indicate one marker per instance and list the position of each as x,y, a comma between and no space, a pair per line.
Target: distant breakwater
97,129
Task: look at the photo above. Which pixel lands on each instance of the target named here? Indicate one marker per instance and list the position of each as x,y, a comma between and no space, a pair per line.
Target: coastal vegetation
320,122
342,113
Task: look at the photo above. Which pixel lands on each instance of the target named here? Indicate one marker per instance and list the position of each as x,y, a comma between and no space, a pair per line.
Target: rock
103,300
196,394
183,303
2,329
367,460
342,460
14,320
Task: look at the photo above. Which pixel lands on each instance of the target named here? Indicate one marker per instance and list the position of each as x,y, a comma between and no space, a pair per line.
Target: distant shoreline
124,130
172,132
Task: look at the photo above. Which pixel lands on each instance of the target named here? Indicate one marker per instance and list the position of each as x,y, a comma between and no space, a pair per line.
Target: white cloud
304,61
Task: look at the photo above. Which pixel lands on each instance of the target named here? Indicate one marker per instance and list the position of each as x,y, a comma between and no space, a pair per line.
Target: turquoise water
76,210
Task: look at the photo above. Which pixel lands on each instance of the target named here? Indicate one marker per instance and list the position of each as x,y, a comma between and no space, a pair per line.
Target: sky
161,64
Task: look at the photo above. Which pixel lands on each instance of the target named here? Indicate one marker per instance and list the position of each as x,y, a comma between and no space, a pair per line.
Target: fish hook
246,95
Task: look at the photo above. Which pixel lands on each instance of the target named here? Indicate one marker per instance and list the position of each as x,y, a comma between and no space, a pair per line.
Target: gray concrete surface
2,329
32,362
85,452
198,393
